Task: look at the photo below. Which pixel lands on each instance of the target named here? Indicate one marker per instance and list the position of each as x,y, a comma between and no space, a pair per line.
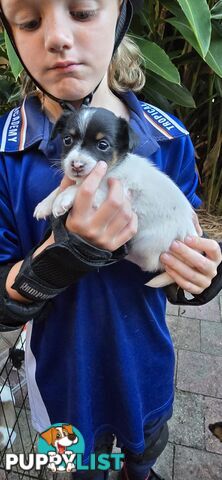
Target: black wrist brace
13,314
61,264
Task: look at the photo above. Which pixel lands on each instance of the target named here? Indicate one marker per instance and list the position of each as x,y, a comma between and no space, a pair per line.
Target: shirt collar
147,144
23,126
27,125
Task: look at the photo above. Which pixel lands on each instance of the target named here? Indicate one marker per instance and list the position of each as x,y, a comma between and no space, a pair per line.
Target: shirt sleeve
178,161
10,250
188,178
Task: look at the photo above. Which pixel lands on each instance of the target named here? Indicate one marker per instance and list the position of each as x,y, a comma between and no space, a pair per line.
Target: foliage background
181,41
182,44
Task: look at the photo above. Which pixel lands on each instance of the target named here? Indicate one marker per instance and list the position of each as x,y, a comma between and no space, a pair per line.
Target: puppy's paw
60,209
42,210
64,201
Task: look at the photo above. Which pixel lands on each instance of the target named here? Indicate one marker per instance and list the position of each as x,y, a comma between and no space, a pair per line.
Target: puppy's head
90,135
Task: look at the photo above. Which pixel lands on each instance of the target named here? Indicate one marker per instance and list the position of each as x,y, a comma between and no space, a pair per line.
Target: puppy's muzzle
77,167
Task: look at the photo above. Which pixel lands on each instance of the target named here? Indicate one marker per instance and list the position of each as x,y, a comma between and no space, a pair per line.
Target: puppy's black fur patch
91,128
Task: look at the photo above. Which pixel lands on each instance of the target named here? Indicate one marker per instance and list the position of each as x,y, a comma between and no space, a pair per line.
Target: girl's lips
65,66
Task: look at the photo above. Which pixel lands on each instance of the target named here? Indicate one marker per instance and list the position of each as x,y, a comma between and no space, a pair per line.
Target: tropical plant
9,87
181,41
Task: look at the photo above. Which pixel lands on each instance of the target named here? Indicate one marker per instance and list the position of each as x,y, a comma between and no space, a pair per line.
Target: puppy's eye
103,145
68,141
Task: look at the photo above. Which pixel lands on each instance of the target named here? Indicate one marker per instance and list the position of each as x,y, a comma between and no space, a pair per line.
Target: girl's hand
113,223
188,267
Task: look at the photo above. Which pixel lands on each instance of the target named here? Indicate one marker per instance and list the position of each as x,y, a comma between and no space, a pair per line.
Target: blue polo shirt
103,360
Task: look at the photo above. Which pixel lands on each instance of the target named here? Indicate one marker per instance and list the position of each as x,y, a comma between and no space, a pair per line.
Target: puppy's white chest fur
164,213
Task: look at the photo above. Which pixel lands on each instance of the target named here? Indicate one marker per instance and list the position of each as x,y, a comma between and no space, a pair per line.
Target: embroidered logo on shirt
162,122
14,131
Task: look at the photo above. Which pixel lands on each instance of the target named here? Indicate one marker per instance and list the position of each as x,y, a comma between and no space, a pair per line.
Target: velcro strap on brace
13,314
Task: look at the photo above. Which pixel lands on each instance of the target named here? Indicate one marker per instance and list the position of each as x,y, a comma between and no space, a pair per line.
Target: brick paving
192,452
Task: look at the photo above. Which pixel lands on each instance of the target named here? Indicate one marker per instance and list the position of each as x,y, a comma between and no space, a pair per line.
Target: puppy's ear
133,139
60,125
127,136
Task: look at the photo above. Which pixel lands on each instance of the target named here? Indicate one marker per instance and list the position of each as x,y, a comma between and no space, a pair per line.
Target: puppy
7,418
164,213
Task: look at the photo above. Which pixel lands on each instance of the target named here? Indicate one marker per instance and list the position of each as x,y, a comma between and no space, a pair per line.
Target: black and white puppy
164,213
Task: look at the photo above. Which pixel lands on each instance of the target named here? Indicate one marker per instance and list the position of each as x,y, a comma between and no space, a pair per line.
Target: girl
99,355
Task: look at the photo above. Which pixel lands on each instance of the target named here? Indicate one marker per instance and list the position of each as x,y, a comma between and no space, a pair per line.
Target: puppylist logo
61,448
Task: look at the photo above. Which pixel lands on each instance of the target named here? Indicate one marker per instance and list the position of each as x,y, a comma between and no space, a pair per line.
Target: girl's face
66,45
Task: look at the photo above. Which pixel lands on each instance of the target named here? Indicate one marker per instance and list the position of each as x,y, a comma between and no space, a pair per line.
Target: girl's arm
95,233
13,294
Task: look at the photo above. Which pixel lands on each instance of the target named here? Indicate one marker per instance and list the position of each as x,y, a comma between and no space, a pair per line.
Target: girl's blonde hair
125,71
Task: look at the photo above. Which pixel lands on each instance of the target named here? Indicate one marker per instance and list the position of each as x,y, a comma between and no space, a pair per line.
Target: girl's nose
58,38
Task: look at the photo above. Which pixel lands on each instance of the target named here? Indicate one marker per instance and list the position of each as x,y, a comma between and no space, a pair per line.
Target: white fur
78,157
164,213
44,208
7,418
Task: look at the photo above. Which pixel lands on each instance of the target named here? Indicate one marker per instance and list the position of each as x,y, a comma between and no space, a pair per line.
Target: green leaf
2,40
15,95
172,6
176,93
198,15
216,11
200,24
158,61
158,100
214,57
14,61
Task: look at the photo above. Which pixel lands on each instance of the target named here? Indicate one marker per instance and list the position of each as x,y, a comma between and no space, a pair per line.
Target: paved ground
192,452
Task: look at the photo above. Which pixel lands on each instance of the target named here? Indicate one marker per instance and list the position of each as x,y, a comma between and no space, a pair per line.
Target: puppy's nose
77,166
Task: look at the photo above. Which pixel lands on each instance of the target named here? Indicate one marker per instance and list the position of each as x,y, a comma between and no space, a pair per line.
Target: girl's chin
65,94
69,89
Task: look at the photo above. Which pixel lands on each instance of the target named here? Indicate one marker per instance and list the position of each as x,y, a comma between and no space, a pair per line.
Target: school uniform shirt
103,360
